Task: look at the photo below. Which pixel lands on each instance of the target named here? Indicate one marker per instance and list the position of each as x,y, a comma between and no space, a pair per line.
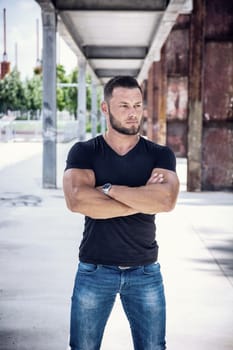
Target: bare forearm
148,199
91,202
138,197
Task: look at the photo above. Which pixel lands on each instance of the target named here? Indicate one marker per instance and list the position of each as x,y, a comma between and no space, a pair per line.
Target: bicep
170,177
74,179
170,184
82,196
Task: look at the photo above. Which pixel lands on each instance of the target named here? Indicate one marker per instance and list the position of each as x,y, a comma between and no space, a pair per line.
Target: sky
21,29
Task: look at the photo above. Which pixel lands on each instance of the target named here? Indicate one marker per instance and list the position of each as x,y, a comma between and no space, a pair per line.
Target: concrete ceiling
117,37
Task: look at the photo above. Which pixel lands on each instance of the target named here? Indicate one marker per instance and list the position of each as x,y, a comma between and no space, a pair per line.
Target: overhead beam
106,73
174,8
115,52
106,5
73,41
46,5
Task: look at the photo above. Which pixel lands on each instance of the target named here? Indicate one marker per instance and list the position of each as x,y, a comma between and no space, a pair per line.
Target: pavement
39,241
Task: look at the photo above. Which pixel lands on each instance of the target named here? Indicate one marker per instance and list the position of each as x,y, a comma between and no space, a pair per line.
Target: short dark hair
125,81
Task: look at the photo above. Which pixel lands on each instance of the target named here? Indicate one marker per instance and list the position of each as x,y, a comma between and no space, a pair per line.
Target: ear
104,107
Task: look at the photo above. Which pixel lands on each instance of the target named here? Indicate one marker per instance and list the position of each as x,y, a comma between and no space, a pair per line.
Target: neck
121,143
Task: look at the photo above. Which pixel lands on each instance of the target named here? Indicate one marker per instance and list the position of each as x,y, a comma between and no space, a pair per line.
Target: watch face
106,187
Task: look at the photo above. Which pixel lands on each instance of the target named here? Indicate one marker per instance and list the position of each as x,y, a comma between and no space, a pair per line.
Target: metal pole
82,99
49,98
4,34
94,109
102,119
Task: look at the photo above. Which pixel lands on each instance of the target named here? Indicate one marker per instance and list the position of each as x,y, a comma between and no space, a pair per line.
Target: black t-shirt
128,240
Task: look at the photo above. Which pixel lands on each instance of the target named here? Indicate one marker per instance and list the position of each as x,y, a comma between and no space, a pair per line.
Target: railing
31,130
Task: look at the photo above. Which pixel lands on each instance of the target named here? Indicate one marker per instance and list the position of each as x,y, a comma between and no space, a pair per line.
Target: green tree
72,94
12,93
3,108
62,92
33,93
88,81
27,95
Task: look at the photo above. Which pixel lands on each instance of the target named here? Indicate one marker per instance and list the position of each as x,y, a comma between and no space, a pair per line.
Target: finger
156,178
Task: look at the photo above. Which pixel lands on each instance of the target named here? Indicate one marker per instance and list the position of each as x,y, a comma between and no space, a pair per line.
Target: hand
156,178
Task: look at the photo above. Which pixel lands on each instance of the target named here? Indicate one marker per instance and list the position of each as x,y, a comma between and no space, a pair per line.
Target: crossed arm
158,195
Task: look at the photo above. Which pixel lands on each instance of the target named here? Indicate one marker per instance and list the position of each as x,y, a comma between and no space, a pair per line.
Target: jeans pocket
151,269
87,268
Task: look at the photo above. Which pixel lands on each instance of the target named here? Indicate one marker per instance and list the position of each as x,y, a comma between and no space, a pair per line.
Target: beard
116,125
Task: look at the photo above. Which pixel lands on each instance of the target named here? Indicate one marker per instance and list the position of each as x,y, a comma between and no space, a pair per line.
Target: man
119,181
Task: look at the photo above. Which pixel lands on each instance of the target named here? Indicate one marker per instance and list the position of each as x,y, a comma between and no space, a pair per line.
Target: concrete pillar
195,118
102,119
81,99
162,107
49,97
156,102
94,109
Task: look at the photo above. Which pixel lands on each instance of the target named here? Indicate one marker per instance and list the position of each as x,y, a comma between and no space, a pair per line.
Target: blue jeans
142,296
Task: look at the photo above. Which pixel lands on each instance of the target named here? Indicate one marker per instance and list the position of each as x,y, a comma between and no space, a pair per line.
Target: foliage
61,91
12,93
72,103
89,127
33,93
27,95
88,81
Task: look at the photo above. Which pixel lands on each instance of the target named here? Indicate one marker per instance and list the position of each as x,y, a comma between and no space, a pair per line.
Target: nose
132,112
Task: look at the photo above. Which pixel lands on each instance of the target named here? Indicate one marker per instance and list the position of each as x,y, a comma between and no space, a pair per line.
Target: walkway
39,239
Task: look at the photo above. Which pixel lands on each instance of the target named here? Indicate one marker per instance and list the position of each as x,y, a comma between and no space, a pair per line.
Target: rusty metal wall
217,145
150,113
219,26
177,104
177,99
177,47
217,159
218,80
177,65
177,137
203,76
155,112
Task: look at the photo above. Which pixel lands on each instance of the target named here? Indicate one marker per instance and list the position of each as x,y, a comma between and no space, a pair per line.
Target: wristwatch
106,188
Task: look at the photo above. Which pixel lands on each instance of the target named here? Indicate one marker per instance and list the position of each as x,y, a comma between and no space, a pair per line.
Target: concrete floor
39,241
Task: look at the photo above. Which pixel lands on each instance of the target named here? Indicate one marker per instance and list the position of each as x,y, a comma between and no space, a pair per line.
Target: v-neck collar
121,155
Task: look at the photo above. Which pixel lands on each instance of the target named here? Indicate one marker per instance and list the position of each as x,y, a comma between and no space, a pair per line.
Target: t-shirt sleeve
167,159
79,157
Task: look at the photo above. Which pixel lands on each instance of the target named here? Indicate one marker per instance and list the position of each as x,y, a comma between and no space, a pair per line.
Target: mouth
132,122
